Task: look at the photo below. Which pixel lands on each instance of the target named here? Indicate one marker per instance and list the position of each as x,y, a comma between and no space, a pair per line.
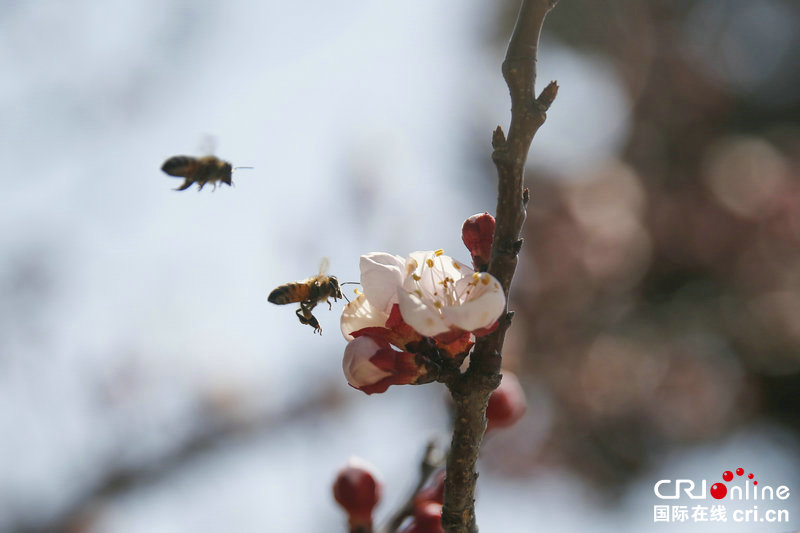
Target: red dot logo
750,476
719,490
739,471
727,475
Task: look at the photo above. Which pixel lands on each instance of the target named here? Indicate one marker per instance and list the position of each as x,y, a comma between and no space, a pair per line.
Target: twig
431,462
471,390
214,432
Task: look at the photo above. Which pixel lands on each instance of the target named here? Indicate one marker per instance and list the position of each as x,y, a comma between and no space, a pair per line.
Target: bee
200,170
309,292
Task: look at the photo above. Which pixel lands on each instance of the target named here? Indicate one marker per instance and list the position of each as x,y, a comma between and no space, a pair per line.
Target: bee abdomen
285,294
178,165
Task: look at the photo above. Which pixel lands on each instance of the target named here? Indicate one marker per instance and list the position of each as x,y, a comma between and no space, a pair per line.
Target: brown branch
472,389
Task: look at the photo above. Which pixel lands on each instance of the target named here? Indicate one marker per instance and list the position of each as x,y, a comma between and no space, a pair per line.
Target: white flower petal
423,277
358,370
360,314
381,274
426,320
484,304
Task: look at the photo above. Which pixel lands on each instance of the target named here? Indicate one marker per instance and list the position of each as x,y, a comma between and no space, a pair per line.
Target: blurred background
147,385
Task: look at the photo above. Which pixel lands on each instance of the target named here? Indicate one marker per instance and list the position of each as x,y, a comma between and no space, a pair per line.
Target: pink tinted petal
425,320
376,388
360,314
381,274
358,369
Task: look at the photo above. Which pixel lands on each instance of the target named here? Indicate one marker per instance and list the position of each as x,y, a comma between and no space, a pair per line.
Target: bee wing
323,266
208,144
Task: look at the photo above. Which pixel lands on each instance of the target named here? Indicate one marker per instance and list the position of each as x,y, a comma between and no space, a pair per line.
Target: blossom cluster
416,312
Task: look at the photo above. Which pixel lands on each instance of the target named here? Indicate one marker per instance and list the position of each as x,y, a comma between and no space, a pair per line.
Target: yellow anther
475,276
456,265
437,304
418,293
429,262
485,280
357,292
416,277
438,252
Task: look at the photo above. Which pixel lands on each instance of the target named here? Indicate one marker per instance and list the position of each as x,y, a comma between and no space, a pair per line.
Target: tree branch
472,389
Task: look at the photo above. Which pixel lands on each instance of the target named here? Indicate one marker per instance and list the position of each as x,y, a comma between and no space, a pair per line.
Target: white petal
484,304
358,370
419,275
454,269
426,320
381,274
430,278
360,314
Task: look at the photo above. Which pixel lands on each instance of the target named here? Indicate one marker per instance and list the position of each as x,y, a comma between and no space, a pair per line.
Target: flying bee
309,292
200,170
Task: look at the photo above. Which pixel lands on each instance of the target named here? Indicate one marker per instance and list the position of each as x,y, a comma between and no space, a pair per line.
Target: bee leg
301,314
186,184
330,305
200,185
305,316
315,324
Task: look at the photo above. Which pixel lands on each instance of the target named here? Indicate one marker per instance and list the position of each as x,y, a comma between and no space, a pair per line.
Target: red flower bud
427,519
477,234
358,490
506,404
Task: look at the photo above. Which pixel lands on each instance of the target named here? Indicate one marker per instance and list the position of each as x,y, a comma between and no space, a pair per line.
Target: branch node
498,138
547,96
526,196
517,246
